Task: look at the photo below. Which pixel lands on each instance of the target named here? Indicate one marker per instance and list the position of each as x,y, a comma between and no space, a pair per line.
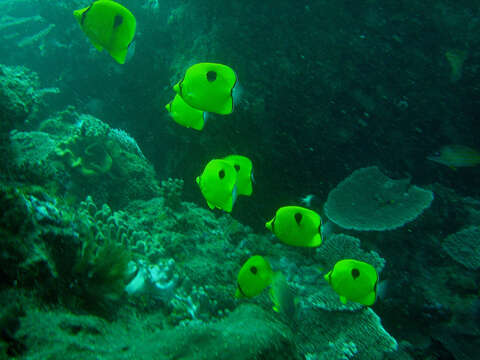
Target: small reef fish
307,200
456,59
185,115
244,168
218,184
354,280
109,26
254,276
208,87
297,226
455,156
282,296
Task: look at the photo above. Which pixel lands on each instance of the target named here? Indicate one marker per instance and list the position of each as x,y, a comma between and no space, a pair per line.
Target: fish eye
253,270
211,76
355,273
221,174
237,167
298,218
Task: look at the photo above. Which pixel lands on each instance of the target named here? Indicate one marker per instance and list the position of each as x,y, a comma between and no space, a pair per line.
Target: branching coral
92,269
100,271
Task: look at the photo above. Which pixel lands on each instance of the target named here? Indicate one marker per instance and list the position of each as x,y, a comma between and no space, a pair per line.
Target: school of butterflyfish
209,88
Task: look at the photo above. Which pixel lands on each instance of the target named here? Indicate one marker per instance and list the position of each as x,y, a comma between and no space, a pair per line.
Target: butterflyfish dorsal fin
96,45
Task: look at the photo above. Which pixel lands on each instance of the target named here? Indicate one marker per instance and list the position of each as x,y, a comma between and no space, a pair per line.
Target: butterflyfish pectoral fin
316,241
119,55
210,205
368,300
273,298
343,300
97,45
227,108
228,208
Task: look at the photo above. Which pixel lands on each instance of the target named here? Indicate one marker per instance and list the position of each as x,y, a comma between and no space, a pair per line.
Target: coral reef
73,152
20,96
342,246
79,265
171,191
10,344
357,335
163,262
247,333
369,200
464,247
21,101
88,233
88,150
99,274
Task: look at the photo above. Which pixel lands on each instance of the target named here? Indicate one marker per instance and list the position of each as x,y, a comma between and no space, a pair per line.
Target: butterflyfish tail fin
97,45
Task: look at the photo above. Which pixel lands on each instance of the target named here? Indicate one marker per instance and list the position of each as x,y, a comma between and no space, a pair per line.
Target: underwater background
366,112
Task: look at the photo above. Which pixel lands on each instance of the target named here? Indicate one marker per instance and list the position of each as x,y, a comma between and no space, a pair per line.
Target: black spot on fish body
117,21
298,218
253,270
355,273
221,174
211,76
237,167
